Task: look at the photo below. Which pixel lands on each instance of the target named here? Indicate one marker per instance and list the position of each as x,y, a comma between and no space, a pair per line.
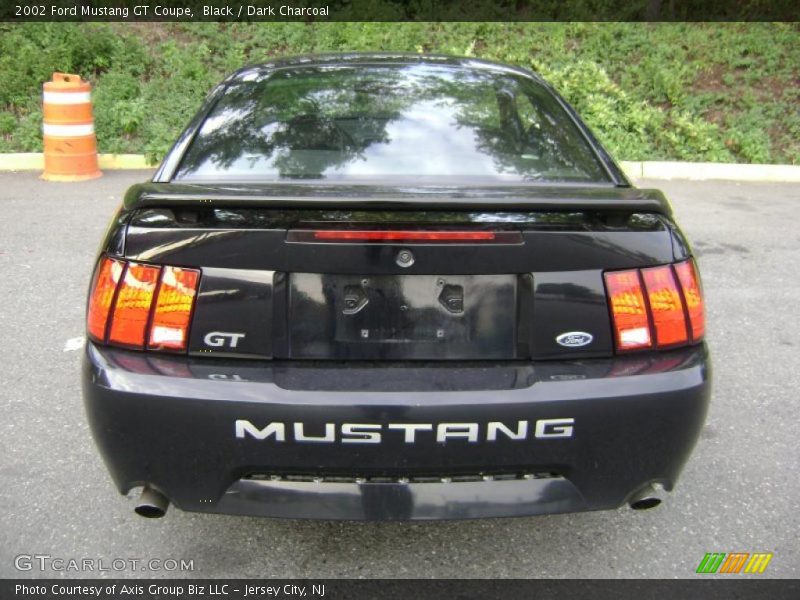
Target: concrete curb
704,171
123,161
34,161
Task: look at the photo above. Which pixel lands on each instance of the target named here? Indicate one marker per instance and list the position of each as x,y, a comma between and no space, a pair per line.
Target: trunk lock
404,258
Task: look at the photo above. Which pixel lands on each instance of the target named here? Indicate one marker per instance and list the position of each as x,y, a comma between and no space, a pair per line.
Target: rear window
407,123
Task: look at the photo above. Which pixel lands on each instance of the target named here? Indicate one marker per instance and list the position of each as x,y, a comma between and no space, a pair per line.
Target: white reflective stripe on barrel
68,130
67,97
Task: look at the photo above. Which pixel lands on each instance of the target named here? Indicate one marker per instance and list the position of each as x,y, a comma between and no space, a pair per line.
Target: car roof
379,58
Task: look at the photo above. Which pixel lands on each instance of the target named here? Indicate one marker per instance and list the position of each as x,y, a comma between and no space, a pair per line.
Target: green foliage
8,122
681,91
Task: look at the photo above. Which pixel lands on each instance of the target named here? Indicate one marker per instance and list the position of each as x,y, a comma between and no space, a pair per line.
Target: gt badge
220,339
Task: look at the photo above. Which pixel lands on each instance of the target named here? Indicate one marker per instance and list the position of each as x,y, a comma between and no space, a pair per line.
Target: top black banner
398,10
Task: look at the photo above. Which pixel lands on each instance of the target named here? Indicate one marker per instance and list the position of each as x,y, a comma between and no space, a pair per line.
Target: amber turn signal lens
693,293
106,277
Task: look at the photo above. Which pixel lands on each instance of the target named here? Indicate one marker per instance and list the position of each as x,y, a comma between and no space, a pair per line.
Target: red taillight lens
693,293
132,308
106,278
173,312
666,306
631,324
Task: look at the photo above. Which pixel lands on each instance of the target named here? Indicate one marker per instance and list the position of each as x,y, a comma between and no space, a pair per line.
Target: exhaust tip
152,504
645,503
645,499
150,512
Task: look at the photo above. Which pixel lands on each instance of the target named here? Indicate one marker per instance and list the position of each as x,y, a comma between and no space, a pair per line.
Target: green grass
726,92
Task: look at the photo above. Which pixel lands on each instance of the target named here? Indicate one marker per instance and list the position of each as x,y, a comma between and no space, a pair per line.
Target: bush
681,91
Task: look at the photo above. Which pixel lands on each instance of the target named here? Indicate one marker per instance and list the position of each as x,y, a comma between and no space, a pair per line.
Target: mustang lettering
371,433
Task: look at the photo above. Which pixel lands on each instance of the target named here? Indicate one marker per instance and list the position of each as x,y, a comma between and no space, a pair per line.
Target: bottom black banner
418,589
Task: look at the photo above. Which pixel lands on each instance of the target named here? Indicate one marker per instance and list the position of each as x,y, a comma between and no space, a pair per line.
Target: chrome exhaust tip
645,499
152,504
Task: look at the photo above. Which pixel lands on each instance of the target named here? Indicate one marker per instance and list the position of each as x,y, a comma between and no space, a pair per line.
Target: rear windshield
408,123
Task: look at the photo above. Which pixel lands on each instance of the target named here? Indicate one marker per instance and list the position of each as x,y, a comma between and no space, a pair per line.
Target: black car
393,287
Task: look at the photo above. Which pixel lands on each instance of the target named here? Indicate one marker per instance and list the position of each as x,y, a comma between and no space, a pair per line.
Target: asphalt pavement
738,493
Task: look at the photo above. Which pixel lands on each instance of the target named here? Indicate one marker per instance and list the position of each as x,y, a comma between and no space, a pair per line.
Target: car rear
273,331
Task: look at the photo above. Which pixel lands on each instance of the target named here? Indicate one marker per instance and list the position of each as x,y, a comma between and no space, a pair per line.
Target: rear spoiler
571,198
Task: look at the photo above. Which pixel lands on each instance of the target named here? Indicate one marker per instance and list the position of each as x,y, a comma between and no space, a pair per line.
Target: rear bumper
401,501
171,422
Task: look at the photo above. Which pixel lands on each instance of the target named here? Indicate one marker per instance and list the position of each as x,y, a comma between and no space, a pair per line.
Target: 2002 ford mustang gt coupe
393,287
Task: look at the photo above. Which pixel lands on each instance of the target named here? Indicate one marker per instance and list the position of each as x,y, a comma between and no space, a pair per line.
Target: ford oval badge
575,339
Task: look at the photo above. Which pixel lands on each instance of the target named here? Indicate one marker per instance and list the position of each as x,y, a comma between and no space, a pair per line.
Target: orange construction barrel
70,146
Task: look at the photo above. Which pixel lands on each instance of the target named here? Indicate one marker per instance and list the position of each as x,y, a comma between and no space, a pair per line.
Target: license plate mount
402,316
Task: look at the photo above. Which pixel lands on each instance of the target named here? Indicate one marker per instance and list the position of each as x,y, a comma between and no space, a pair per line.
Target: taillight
628,310
693,293
132,308
649,307
666,306
138,303
173,311
104,285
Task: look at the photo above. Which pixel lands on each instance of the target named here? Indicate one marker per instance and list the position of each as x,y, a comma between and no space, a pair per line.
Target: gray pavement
739,491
